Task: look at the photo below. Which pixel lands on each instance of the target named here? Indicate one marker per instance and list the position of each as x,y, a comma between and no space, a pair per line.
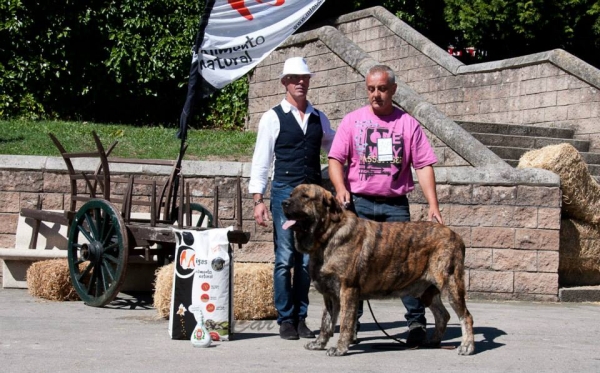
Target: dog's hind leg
441,316
348,311
456,296
331,309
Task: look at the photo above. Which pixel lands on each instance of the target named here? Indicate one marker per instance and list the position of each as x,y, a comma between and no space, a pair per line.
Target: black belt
383,199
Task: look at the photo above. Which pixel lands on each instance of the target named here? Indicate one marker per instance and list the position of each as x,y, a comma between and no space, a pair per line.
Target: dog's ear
333,206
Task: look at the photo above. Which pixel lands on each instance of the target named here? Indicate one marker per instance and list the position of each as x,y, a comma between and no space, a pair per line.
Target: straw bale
581,192
253,291
50,279
163,287
579,253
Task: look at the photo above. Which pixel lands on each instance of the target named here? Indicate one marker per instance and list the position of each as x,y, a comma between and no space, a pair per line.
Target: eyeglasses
297,78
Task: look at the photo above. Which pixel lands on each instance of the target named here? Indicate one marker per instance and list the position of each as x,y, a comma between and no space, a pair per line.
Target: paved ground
42,336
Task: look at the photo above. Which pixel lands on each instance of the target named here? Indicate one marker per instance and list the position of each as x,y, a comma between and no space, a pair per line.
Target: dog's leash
403,345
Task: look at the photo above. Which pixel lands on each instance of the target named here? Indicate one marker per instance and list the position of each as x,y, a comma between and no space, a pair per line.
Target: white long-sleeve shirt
268,131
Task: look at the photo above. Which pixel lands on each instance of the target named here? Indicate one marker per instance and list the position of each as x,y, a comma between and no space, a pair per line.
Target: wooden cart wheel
204,214
98,252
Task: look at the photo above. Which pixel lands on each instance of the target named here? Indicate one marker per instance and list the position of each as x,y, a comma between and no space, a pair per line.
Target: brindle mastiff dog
353,258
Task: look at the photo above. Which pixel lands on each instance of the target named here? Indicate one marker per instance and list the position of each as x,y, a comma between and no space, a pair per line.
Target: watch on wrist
258,202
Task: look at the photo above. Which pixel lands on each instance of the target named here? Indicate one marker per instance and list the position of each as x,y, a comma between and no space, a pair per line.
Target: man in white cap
290,137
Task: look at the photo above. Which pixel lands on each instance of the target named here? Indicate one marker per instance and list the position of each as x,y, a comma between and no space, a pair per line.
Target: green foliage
229,109
509,28
120,61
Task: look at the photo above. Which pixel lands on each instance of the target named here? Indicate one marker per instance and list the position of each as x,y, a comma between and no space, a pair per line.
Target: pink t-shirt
387,174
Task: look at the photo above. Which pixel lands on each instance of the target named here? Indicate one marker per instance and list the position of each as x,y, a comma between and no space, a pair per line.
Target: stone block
537,239
538,196
529,72
579,111
60,183
494,195
456,194
533,86
478,258
418,212
493,237
524,217
557,83
548,218
22,181
533,115
514,260
536,283
8,223
9,202
452,95
490,281
548,261
7,241
555,113
473,94
493,106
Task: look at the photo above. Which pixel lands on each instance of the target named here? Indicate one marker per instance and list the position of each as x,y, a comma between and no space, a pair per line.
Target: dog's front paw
315,345
333,351
467,349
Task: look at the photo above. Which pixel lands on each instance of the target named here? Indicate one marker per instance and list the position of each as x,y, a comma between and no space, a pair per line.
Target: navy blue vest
297,155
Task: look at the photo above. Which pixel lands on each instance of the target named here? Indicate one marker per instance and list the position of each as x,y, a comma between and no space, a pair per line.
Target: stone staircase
511,141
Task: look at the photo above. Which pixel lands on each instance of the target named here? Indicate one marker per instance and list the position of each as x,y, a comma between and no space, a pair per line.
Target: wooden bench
49,243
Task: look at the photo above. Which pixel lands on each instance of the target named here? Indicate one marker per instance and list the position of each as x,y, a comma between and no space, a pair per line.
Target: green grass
31,138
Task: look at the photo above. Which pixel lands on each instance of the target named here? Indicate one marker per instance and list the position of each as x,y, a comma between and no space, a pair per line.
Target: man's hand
343,198
435,215
261,214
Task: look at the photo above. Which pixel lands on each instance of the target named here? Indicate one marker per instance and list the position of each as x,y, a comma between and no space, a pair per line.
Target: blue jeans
291,297
389,211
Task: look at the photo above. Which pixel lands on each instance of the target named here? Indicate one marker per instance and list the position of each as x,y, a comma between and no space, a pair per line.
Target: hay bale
50,279
253,291
579,253
581,193
163,287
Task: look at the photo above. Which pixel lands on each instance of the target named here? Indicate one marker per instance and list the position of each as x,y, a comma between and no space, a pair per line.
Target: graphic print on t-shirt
367,142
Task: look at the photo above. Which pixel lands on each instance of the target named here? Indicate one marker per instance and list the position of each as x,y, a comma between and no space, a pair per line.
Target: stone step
594,169
516,130
529,142
512,153
579,294
508,153
590,158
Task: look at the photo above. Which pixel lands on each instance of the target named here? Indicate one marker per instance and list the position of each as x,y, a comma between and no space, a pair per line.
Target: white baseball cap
295,66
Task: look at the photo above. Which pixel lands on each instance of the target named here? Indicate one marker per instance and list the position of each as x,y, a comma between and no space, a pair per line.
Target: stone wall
549,89
511,231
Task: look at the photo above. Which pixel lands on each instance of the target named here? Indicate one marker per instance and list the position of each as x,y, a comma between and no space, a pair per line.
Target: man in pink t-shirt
379,143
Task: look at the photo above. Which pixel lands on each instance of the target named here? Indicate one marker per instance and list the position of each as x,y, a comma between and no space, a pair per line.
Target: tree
510,28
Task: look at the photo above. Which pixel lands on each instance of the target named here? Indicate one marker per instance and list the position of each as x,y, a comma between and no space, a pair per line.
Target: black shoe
304,331
417,336
287,331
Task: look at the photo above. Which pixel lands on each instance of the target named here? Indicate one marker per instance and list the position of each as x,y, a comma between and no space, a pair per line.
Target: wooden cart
103,235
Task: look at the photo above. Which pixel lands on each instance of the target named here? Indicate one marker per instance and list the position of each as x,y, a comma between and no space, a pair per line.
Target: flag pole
196,85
